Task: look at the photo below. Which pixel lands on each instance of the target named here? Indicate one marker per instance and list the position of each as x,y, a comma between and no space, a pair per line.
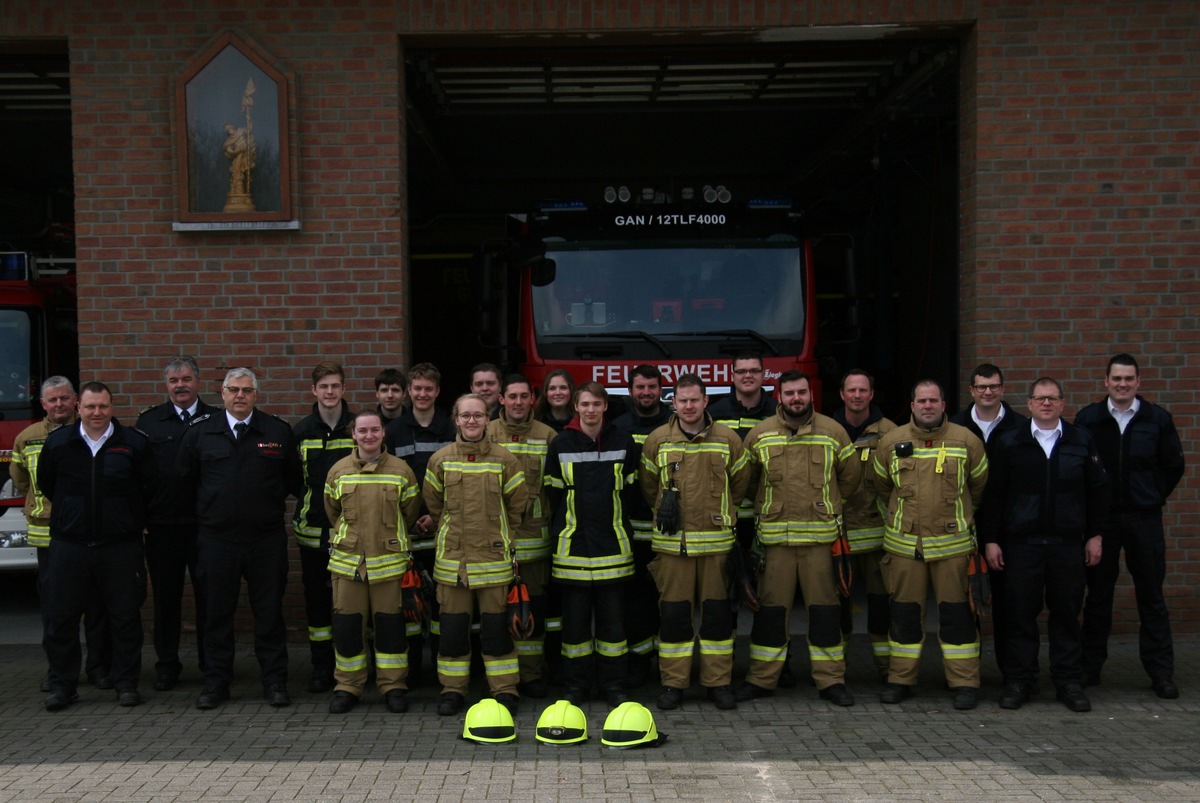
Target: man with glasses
1044,508
1141,451
989,417
245,463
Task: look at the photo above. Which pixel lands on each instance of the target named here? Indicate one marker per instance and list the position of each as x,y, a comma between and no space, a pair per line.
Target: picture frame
232,140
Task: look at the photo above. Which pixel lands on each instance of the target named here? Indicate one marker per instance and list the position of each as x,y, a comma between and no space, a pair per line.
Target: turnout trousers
358,607
908,581
499,652
683,583
811,567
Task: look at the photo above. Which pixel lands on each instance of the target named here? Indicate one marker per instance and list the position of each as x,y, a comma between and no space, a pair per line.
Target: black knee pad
676,621
494,638
906,622
770,626
878,615
847,618
716,619
390,633
956,623
456,634
347,633
538,606
825,625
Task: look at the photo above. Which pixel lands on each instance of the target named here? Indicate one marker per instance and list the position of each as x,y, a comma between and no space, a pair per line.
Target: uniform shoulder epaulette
280,419
199,418
147,409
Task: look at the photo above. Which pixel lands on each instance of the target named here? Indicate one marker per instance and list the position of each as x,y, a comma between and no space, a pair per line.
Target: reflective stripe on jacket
476,494
932,493
800,473
372,505
712,475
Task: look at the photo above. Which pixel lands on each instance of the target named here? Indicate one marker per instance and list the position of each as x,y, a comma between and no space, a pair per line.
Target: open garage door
858,130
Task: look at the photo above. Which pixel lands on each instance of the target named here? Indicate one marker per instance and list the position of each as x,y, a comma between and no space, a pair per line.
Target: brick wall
1078,198
1081,194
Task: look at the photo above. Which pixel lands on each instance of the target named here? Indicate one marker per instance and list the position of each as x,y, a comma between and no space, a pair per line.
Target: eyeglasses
745,371
1045,399
236,391
988,388
472,416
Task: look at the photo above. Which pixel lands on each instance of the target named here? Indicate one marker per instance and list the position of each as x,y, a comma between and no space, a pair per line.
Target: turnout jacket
529,442
27,451
96,499
476,494
587,484
1146,463
415,444
320,447
712,475
175,500
861,508
732,413
1034,499
242,484
801,472
641,517
932,491
372,504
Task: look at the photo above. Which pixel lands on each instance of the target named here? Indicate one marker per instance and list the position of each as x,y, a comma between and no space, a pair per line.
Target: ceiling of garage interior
495,129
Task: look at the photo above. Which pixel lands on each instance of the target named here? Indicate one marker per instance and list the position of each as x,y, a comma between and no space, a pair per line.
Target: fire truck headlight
610,195
710,195
623,195
723,195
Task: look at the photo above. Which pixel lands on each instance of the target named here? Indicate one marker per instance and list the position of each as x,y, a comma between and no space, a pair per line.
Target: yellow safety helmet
562,723
489,722
631,725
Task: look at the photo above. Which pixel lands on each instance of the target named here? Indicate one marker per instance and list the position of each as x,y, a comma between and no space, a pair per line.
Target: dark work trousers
78,577
95,623
1036,573
605,651
641,611
1000,615
221,566
1140,534
170,551
318,605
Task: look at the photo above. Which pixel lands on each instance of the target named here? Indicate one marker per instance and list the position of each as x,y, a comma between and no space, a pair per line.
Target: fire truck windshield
15,355
670,291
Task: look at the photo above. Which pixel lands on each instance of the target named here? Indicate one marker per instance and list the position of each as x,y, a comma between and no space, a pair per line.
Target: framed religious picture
232,141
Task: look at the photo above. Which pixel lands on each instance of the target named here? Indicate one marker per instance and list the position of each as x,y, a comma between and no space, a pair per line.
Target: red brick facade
1080,185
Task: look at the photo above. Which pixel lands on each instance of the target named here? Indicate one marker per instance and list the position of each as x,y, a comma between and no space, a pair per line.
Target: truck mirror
542,273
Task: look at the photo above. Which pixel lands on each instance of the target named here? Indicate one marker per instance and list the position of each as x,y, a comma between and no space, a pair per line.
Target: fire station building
271,184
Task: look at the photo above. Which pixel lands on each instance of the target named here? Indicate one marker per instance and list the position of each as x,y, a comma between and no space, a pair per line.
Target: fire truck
38,339
684,281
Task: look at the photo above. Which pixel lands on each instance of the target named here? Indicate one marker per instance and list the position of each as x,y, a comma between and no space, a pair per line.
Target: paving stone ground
1132,746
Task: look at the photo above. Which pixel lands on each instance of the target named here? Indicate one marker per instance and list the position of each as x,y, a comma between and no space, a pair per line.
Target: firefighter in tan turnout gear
529,440
372,499
931,473
694,472
800,465
475,493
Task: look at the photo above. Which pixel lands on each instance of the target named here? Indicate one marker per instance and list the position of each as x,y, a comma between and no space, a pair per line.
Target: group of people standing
623,529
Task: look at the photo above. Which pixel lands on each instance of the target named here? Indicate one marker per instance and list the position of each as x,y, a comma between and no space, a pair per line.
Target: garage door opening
857,132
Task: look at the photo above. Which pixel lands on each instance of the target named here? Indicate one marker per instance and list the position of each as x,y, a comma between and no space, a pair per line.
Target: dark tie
239,429
185,416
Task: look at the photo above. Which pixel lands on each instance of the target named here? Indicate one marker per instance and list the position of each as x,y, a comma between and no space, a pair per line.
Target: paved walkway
1132,746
